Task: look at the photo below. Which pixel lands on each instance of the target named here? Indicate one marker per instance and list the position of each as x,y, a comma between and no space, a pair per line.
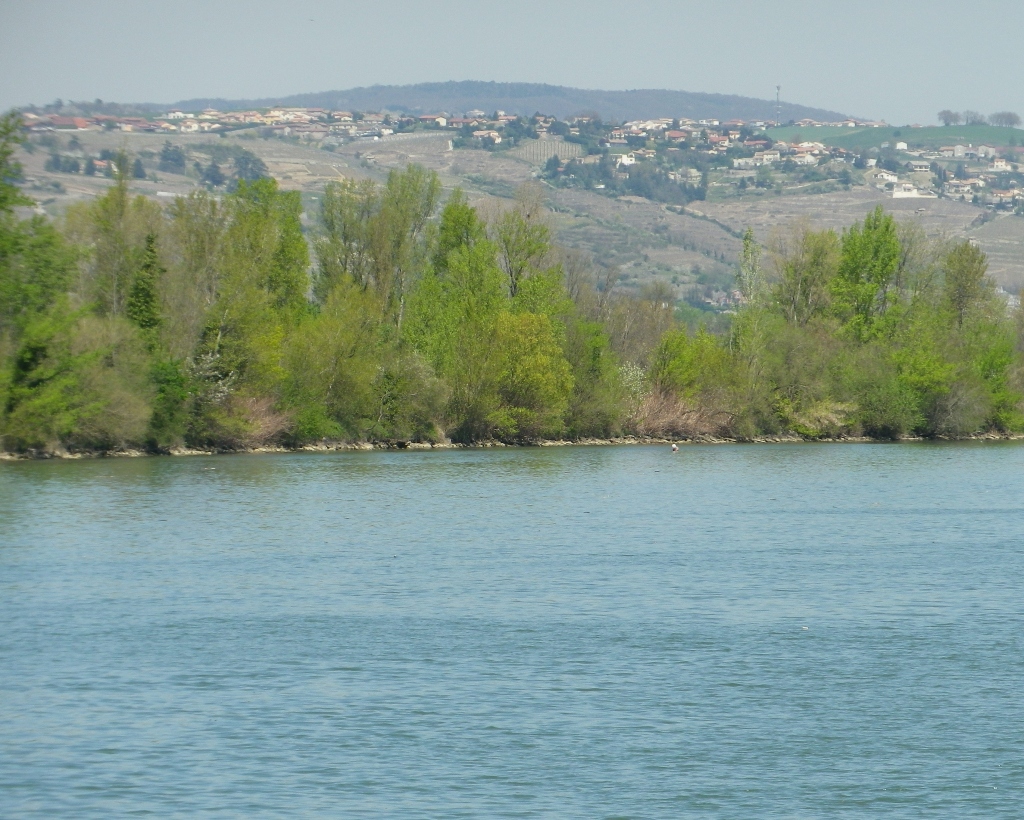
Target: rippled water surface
731,631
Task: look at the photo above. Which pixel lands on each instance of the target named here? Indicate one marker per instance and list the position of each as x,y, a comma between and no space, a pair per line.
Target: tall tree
342,245
142,305
408,201
965,268
460,226
806,264
750,266
522,237
868,262
113,227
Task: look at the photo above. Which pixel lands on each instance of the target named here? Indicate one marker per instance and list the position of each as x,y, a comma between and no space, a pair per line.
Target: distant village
680,151
321,123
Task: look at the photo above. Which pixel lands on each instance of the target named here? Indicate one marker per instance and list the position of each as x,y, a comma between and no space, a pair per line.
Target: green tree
750,277
965,268
452,320
377,236
331,361
597,403
10,169
113,227
522,237
806,264
142,305
460,226
535,382
249,167
342,247
195,243
172,159
79,382
265,241
397,235
36,269
213,176
868,262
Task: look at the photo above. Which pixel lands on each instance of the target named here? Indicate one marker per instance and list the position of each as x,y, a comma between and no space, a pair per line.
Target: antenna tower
778,105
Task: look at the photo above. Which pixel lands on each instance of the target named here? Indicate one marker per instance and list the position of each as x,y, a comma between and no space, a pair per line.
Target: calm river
595,632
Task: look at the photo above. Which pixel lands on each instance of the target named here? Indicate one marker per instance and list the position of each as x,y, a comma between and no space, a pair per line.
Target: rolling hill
528,98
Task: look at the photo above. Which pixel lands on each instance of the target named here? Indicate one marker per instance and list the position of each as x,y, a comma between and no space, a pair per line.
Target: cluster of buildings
321,122
310,123
723,138
742,142
978,180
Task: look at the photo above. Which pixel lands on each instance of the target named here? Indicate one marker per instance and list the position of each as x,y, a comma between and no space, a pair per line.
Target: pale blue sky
901,60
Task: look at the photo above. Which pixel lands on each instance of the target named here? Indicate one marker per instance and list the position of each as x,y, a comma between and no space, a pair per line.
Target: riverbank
363,446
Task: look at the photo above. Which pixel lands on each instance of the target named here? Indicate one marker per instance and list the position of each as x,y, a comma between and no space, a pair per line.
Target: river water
595,632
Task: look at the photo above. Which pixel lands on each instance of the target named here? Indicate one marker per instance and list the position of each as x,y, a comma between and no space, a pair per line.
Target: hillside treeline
218,322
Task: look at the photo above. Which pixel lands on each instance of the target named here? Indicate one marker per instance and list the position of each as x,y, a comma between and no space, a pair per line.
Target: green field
929,137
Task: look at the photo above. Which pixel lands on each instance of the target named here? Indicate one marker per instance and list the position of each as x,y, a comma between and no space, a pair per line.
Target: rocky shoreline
345,446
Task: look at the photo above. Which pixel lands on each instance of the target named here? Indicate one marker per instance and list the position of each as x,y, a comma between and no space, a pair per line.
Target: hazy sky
901,60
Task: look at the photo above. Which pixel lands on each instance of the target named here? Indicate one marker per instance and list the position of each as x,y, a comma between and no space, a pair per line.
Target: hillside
528,98
927,137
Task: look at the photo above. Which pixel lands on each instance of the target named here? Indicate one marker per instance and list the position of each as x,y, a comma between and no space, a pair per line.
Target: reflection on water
776,630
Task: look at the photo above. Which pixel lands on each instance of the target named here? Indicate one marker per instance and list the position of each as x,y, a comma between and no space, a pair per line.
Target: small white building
906,190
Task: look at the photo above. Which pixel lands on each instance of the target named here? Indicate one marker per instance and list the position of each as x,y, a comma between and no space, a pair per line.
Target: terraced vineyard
540,151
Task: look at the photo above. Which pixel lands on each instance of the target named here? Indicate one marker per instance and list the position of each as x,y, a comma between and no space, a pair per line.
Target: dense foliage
217,322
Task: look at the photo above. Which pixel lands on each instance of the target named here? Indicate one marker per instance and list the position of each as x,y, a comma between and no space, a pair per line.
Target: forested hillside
216,322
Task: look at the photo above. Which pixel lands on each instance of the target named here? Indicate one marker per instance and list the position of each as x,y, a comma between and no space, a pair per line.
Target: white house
906,190
884,176
957,188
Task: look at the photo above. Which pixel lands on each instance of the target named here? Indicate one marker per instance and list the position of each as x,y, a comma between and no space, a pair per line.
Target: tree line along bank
215,322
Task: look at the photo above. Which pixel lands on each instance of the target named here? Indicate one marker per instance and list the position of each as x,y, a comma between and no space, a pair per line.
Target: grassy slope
930,137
